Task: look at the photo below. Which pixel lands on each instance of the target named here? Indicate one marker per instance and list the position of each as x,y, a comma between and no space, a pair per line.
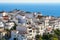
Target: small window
30,31
30,27
15,39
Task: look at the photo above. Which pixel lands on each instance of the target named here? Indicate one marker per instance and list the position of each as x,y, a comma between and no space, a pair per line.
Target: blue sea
45,9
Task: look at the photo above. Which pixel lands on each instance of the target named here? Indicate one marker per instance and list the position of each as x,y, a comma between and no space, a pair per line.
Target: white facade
17,35
9,25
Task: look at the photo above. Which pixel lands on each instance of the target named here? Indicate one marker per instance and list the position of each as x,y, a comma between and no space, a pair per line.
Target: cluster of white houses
28,24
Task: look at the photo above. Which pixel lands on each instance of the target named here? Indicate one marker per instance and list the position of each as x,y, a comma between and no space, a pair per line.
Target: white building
1,26
9,25
18,35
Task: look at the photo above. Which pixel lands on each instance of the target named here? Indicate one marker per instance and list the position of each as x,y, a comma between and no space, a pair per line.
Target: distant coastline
28,12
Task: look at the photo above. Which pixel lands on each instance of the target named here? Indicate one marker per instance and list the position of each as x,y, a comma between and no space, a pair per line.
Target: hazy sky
29,1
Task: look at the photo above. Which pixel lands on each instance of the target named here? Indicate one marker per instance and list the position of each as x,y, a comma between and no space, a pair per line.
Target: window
30,30
15,39
19,21
22,35
28,22
30,27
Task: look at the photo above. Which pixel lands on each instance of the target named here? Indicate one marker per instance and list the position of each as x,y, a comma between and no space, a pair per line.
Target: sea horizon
45,9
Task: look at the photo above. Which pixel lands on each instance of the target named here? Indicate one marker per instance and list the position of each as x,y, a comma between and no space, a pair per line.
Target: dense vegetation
55,36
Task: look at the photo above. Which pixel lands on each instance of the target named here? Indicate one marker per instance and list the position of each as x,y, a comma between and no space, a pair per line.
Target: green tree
38,37
54,37
3,39
57,32
47,36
